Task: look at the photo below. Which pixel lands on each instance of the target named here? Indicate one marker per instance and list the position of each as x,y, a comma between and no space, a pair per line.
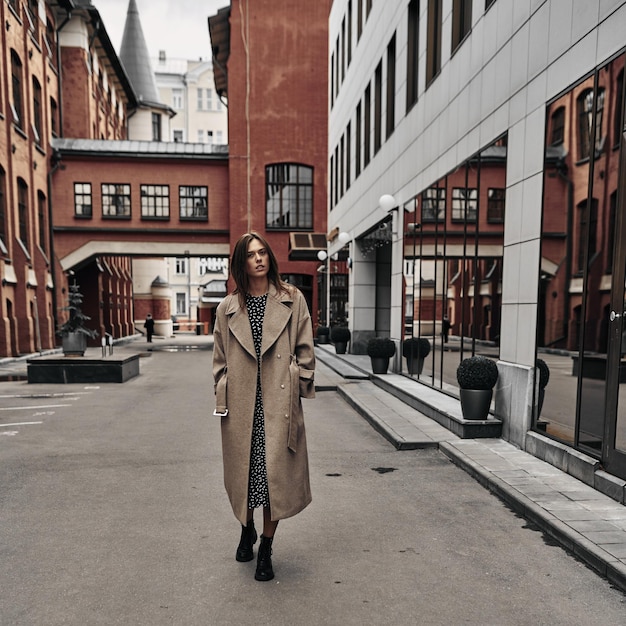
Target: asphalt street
112,511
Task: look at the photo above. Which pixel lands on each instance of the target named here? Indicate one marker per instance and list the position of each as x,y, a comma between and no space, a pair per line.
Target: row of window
205,100
369,111
155,201
585,120
464,204
342,56
23,213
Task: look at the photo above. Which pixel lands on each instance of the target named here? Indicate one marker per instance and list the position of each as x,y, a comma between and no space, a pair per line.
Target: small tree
76,321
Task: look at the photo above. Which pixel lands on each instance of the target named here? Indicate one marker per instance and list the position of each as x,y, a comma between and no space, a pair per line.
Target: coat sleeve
305,354
219,361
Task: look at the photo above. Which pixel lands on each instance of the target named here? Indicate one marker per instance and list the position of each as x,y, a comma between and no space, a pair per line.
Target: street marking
28,408
38,413
20,424
46,395
9,433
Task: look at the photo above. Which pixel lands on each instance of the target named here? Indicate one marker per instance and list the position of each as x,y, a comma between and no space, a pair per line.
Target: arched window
619,109
289,196
585,122
16,83
22,209
3,211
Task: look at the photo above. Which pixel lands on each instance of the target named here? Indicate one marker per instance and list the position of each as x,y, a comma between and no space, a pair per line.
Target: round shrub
415,347
477,372
340,333
381,347
544,372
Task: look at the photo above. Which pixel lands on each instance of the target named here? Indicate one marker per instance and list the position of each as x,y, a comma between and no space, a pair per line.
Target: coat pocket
306,383
221,402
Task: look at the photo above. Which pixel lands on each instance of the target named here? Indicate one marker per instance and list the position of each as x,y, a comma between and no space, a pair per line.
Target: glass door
615,446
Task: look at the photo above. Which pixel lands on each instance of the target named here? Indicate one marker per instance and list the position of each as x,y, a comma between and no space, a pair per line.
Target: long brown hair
239,260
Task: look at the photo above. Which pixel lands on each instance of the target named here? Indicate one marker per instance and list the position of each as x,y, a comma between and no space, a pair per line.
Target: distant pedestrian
445,328
149,326
263,333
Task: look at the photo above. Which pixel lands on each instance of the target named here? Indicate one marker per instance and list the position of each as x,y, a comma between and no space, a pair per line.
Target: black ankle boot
264,569
248,539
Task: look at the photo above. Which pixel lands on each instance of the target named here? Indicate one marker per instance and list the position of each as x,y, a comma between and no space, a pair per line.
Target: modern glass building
477,161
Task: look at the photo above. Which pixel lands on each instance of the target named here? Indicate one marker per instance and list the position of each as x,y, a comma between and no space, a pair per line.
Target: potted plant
322,334
415,350
73,332
544,376
380,350
340,335
476,375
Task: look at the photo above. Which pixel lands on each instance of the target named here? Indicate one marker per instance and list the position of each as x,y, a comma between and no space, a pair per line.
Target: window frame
149,202
117,195
83,193
464,203
300,216
198,213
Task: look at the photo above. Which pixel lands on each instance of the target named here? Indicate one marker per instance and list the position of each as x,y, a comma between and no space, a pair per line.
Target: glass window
464,204
181,265
461,21
177,136
412,54
37,111
495,204
82,200
433,41
289,196
209,99
177,99
41,220
181,303
16,82
156,127
193,202
3,211
558,127
378,106
391,86
367,126
434,204
199,101
115,200
22,210
155,201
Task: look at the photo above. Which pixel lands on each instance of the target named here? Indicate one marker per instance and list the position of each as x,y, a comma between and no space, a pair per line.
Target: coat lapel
277,316
239,326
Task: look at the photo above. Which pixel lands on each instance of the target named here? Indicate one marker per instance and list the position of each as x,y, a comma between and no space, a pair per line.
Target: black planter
74,344
323,339
380,364
340,347
415,365
475,403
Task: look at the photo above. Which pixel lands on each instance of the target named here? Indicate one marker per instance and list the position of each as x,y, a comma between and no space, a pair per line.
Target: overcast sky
179,27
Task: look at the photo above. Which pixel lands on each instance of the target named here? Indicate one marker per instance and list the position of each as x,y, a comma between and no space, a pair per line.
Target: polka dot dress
258,491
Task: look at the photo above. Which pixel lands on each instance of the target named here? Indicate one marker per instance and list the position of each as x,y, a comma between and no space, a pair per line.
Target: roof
219,29
106,52
152,149
136,60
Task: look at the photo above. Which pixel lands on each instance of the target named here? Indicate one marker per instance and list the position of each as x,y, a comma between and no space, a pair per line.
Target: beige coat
284,379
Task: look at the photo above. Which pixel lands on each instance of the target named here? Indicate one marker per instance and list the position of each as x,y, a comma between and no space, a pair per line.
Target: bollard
110,341
103,344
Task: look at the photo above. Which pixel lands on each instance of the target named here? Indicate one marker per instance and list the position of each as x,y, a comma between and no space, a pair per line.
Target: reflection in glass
453,265
578,236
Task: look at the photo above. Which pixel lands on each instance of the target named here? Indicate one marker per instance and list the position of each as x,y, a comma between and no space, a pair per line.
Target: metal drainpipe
56,163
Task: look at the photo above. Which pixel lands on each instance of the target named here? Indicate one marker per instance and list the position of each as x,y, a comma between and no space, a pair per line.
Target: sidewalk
583,520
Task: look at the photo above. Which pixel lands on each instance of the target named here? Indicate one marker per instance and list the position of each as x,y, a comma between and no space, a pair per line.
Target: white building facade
188,88
475,150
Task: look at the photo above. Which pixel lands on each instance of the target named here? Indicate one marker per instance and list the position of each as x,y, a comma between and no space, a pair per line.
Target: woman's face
258,260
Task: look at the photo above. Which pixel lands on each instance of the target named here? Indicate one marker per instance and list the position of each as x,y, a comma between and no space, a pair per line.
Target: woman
263,362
